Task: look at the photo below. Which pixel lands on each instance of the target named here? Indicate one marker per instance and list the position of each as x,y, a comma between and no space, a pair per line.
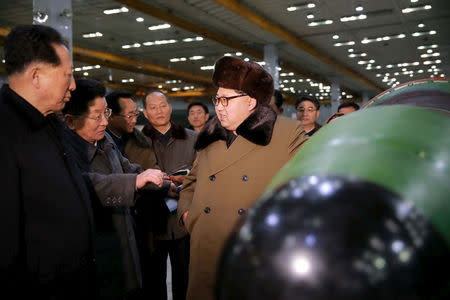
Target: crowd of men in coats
92,206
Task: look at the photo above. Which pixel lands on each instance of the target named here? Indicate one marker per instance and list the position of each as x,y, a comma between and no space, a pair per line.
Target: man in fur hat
240,150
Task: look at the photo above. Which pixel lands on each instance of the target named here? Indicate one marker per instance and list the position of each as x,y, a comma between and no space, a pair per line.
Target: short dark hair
198,103
302,98
349,104
151,91
29,43
87,90
278,98
113,100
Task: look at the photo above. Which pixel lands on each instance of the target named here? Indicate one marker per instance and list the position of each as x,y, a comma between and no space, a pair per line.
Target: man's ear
34,72
207,116
252,103
318,113
69,121
145,114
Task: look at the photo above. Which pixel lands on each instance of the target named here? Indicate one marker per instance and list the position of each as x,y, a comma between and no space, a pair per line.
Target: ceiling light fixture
207,68
320,22
357,55
92,35
384,38
301,6
427,47
123,9
177,59
335,37
159,42
420,33
349,43
415,8
310,16
135,45
353,18
140,19
426,55
196,57
194,39
160,26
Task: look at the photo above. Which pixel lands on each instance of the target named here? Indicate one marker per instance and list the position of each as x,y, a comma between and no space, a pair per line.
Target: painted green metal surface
432,93
403,148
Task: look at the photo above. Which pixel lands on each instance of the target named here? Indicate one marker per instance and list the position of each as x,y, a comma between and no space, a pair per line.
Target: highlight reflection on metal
340,237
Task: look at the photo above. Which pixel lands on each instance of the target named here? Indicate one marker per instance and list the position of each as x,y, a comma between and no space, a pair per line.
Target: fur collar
178,131
257,128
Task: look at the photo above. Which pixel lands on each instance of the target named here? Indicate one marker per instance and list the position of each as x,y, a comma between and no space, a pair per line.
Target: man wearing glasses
114,184
240,150
131,142
308,110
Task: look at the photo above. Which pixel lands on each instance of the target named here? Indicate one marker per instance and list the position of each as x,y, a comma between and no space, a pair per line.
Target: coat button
241,211
207,210
244,177
212,177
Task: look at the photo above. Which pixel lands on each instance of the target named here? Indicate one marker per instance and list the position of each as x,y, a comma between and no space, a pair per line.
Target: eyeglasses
302,110
224,100
99,117
130,116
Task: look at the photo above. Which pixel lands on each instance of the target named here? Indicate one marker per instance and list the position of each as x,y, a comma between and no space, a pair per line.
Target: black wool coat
46,217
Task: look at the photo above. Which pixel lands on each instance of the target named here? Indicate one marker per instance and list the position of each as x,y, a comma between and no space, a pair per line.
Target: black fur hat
249,77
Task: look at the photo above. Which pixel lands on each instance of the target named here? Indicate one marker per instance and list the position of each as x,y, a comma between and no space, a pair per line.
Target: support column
365,98
335,95
271,60
57,14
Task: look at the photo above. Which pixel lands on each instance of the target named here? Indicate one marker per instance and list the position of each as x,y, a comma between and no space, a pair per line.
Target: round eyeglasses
99,117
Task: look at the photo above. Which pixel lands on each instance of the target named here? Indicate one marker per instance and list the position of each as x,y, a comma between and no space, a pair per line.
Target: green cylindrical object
403,148
430,93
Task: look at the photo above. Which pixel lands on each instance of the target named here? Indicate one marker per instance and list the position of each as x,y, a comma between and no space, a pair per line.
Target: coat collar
257,129
177,131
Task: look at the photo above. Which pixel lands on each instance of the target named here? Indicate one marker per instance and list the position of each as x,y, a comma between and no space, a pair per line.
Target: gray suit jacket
111,179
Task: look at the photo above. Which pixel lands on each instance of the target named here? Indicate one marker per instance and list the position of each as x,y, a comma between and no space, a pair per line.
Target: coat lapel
238,149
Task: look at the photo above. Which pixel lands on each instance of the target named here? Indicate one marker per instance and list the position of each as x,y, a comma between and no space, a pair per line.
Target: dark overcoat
46,217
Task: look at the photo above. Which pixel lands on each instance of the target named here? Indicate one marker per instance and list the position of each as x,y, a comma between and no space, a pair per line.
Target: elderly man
198,115
113,181
240,150
174,149
46,217
308,110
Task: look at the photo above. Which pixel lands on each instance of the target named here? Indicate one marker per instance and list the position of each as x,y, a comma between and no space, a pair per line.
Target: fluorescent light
159,42
207,68
194,39
349,43
426,55
383,38
353,18
300,6
420,33
427,47
127,80
92,35
320,22
196,57
359,8
123,9
310,16
160,26
177,59
421,25
135,45
139,19
335,37
415,8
